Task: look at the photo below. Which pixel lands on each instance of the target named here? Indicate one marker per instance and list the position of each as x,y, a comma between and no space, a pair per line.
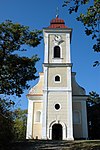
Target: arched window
38,116
77,117
57,78
56,52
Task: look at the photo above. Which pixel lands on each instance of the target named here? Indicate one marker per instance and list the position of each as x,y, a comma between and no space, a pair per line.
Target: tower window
57,79
56,52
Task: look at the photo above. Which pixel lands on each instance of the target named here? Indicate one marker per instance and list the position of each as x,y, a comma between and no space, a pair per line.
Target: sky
37,14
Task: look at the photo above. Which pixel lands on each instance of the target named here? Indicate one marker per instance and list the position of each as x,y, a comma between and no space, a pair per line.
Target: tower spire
57,12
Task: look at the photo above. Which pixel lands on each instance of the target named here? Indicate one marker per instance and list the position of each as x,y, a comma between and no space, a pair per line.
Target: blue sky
37,14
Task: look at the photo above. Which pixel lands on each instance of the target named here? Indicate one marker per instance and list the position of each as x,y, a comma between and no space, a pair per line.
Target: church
57,103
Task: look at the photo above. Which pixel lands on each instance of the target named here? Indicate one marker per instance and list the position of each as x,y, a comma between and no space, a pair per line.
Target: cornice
57,64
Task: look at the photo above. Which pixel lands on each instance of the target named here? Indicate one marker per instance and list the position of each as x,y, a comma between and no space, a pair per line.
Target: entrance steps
41,145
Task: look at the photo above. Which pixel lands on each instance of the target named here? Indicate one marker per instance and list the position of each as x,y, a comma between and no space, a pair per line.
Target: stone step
41,145
55,145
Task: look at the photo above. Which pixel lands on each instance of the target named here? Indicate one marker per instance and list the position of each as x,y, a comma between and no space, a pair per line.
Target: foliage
20,119
15,70
6,122
12,123
93,108
96,63
93,98
91,20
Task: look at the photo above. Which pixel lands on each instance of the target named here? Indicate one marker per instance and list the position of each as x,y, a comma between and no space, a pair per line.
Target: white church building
57,104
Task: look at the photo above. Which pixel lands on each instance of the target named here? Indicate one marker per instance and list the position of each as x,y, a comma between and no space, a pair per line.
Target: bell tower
57,121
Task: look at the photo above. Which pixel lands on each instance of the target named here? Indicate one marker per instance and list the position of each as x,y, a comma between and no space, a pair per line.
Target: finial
57,12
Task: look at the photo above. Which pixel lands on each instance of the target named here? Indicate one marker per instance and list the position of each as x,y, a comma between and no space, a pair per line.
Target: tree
12,124
15,70
93,111
6,123
20,121
91,20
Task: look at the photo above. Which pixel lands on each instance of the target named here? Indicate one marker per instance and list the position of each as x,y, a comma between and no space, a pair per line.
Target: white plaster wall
57,115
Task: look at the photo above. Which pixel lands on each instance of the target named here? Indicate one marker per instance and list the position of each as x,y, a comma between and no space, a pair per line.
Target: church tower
57,104
57,92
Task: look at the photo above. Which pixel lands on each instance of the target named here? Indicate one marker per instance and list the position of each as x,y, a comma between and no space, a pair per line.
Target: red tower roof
57,23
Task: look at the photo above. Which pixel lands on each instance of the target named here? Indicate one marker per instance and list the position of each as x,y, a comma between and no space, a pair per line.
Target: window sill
57,60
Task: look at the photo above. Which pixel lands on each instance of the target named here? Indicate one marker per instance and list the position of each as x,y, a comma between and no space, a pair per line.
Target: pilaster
46,48
84,120
69,107
45,98
68,58
29,131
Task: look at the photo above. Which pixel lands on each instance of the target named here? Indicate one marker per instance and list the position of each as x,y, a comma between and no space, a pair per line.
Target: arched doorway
57,132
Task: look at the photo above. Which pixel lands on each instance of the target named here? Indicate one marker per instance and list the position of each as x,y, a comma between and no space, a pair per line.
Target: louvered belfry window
56,52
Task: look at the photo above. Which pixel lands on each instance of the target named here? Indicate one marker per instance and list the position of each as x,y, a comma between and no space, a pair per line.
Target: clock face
57,38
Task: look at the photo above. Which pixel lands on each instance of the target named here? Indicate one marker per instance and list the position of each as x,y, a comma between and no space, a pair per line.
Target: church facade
57,104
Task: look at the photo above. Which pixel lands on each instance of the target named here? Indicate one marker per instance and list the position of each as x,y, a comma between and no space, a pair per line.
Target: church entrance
57,132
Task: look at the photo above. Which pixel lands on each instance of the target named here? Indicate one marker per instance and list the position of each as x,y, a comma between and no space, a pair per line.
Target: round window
57,106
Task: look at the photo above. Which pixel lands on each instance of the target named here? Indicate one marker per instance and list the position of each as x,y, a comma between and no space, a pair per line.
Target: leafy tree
20,118
6,123
12,124
15,70
93,111
91,20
